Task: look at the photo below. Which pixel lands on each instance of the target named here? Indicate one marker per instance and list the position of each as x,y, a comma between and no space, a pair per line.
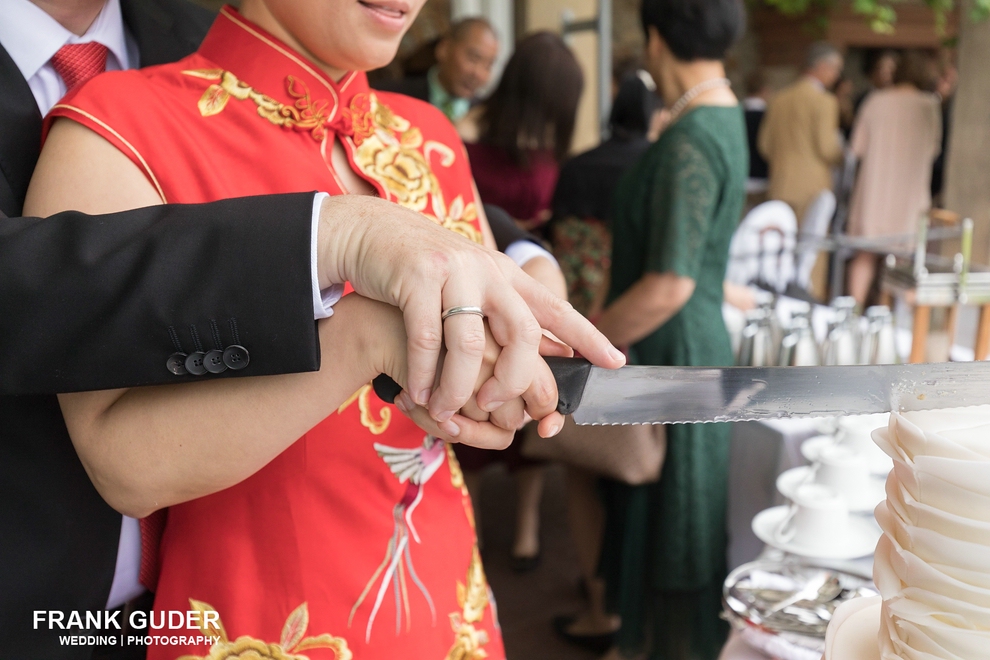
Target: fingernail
493,405
554,430
444,416
616,354
423,397
450,428
403,402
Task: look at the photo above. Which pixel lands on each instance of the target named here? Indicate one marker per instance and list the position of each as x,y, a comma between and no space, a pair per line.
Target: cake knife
676,395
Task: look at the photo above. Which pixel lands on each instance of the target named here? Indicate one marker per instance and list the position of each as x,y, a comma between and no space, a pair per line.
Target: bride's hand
473,426
397,256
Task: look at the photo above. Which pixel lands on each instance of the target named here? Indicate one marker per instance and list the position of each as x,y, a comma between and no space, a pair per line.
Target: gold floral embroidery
459,217
473,599
303,115
468,641
386,147
357,119
391,157
289,646
368,421
397,157
456,475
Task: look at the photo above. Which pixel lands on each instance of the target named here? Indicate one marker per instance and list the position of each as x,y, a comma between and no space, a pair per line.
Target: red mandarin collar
269,66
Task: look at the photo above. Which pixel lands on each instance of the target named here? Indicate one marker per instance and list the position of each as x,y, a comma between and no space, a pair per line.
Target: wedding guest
945,87
676,210
581,235
464,60
582,201
526,127
130,165
758,93
880,69
800,134
897,136
843,92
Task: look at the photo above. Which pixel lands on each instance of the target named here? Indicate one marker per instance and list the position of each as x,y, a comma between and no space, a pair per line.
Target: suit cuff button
176,364
214,362
236,357
194,363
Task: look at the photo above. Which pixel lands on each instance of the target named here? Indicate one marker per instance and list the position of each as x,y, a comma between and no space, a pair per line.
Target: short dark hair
535,103
917,68
695,29
633,107
459,30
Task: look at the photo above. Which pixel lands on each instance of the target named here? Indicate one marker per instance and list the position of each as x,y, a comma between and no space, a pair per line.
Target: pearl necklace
695,92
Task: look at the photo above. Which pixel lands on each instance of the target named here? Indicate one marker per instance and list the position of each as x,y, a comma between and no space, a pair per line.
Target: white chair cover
762,248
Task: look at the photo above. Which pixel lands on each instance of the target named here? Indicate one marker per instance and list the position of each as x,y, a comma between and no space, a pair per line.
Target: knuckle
436,264
502,262
544,393
471,342
426,339
530,330
558,307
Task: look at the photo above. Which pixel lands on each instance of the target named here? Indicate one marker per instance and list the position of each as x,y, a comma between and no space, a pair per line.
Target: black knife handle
571,375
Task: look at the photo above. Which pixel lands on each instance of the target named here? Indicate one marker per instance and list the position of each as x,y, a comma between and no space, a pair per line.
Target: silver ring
453,311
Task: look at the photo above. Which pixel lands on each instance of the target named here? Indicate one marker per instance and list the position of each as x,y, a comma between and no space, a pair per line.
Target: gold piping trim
144,163
289,54
350,79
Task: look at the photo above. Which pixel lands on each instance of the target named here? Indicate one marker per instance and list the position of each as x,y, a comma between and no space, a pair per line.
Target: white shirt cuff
323,301
522,251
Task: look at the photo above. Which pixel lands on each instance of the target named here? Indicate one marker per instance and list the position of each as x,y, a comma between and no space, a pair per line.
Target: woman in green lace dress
676,210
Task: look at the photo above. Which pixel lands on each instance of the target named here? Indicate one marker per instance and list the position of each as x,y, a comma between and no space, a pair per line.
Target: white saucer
860,541
880,464
852,633
865,502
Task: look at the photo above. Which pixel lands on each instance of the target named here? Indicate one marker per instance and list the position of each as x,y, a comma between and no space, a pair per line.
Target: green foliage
880,14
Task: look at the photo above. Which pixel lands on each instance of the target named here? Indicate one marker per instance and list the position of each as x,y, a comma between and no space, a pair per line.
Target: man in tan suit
799,137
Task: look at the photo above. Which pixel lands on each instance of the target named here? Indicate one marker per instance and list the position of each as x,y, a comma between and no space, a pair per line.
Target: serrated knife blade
675,395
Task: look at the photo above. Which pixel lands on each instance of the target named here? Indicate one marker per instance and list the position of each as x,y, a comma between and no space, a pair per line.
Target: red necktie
77,63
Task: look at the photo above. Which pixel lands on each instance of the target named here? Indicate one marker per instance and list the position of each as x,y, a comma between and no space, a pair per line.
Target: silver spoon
810,591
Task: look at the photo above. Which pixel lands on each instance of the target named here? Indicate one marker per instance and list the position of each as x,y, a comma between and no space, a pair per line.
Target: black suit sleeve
505,230
100,302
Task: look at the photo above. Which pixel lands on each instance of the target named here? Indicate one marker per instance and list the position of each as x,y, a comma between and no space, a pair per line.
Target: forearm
644,307
147,448
115,281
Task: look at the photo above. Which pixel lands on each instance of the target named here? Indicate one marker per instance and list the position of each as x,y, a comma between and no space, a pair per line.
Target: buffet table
760,451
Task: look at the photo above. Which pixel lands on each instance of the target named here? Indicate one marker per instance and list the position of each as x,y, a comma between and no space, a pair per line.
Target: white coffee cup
818,517
844,470
856,430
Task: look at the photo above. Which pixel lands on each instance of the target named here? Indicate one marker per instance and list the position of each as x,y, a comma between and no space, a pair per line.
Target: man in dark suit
106,302
464,60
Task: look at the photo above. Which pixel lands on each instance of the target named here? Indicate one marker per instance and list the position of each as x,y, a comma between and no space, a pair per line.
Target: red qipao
357,541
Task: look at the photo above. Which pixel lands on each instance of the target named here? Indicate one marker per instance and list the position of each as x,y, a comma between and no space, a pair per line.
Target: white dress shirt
31,37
